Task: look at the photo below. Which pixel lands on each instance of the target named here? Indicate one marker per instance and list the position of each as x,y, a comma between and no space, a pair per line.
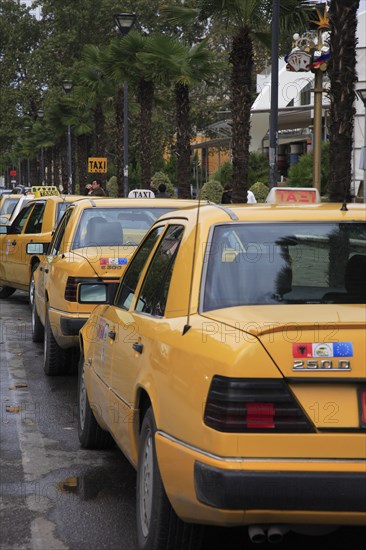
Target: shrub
112,187
260,191
212,191
224,173
301,174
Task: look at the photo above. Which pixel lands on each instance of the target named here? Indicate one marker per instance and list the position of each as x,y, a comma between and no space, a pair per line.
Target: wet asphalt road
57,496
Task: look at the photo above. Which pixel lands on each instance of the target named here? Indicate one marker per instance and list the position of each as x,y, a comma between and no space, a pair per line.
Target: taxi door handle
41,268
13,243
46,270
138,347
112,334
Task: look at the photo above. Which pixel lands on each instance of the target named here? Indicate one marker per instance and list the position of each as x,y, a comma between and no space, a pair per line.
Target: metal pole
273,119
42,166
69,163
317,151
125,139
28,172
364,158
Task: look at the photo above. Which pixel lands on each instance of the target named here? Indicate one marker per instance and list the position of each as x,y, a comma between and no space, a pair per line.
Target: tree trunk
342,74
146,96
183,141
241,58
119,113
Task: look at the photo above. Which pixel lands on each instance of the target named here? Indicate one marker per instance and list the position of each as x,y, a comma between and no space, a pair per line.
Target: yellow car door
137,316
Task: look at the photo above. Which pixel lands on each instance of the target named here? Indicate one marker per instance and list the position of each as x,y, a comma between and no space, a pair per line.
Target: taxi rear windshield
8,206
285,263
115,226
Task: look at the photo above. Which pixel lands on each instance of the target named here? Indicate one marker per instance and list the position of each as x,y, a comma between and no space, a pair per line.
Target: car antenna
91,265
187,326
345,197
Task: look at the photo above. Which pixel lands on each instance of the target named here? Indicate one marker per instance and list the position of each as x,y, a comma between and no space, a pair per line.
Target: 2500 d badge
323,364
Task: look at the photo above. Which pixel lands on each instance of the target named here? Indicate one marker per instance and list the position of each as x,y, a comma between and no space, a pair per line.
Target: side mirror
96,293
37,248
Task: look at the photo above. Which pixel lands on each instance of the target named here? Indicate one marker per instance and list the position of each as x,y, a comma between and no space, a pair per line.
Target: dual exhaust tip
274,533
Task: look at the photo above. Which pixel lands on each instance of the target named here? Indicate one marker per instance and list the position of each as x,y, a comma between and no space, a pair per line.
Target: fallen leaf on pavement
17,386
12,408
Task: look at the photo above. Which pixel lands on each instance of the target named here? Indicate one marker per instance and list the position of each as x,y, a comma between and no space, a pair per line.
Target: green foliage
260,191
258,168
161,177
224,173
301,174
212,191
112,187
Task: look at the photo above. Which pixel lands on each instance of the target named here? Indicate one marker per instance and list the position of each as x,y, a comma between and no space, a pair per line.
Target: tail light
72,285
242,405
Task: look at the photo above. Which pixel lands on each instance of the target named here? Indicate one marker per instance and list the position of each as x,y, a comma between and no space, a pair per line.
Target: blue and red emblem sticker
113,261
322,349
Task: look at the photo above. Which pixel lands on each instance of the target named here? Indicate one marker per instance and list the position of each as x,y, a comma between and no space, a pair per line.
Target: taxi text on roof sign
293,195
141,194
97,164
44,190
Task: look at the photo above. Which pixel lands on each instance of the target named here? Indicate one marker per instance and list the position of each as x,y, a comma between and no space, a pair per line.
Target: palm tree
122,63
167,61
342,74
248,20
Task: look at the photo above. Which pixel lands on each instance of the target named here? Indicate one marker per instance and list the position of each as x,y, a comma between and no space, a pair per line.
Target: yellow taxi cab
24,241
229,368
10,207
93,243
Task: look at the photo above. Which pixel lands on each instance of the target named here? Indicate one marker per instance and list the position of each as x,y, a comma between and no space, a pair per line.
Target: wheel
158,526
54,357
37,327
6,291
91,435
31,285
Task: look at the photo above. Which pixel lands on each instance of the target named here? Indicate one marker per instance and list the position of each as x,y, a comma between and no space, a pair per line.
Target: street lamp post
362,95
273,118
67,87
40,114
124,22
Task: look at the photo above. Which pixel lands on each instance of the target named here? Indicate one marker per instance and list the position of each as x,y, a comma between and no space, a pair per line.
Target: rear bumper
263,490
206,488
71,326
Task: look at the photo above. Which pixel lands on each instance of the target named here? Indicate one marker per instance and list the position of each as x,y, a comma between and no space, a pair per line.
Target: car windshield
8,206
115,226
285,263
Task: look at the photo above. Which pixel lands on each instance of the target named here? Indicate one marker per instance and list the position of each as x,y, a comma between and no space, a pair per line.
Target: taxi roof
265,212
108,202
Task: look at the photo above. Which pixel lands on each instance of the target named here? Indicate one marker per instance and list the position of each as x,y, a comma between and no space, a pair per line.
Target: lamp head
124,22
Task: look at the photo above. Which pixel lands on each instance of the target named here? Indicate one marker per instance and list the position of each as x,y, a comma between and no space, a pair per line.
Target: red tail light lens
241,405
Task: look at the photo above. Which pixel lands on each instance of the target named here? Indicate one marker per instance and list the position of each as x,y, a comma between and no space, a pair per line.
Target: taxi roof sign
141,194
293,195
44,190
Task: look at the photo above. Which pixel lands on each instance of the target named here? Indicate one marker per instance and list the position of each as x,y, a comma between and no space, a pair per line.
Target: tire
31,285
158,526
91,435
6,291
54,357
37,327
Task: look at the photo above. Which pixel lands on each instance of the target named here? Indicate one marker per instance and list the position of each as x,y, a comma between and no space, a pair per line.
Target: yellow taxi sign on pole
97,165
44,190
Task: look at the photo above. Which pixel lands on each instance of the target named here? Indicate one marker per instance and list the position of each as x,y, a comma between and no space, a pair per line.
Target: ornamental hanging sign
309,53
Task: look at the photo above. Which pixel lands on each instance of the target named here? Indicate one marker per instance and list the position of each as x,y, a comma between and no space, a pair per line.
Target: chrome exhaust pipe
276,533
256,534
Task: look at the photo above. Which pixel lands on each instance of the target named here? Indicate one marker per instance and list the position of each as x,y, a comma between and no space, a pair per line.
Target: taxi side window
21,218
34,224
130,280
154,291
60,231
